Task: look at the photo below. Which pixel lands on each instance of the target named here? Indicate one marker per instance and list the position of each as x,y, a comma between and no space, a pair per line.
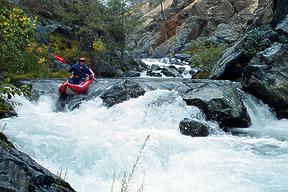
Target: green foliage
99,46
123,16
204,56
59,74
101,30
254,43
7,91
16,31
60,45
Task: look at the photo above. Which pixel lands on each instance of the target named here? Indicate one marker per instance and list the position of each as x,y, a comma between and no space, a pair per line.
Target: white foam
94,142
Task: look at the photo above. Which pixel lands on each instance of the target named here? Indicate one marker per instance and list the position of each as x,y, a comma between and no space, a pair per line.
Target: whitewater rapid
94,143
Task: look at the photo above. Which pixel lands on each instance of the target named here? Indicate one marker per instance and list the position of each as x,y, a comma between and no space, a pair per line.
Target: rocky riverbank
19,172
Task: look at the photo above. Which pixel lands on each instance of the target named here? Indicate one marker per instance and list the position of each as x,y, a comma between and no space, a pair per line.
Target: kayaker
80,72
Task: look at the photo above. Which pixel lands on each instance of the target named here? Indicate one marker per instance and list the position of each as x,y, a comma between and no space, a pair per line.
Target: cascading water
94,142
165,62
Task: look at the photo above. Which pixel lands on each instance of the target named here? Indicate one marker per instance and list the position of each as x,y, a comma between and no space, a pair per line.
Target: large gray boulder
236,58
193,128
20,173
226,33
219,100
266,77
122,91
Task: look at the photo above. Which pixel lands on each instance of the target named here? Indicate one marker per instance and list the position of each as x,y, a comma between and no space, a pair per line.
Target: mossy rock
4,141
6,110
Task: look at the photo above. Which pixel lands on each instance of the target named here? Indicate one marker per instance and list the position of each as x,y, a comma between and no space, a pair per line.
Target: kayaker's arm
88,72
72,68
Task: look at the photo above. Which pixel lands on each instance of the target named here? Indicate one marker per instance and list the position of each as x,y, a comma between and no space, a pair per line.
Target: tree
162,10
123,17
16,32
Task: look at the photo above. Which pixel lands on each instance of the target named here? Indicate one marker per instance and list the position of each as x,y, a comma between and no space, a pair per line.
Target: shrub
254,43
204,56
16,31
64,47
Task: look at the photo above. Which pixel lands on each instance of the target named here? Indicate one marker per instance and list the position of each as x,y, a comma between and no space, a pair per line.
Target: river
94,142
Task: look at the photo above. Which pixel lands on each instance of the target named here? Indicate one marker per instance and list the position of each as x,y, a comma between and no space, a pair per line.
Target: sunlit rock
219,100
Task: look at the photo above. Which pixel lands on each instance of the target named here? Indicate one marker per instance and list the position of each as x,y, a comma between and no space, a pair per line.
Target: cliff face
181,22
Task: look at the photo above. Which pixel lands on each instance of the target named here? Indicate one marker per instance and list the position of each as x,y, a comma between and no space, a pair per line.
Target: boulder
266,77
105,70
236,58
153,74
170,72
193,128
226,33
132,73
219,100
155,67
122,91
119,73
181,69
19,172
6,110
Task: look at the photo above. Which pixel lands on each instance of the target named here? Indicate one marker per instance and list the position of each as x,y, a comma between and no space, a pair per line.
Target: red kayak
73,89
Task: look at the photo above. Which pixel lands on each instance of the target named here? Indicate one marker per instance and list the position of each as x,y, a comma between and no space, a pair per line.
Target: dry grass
127,179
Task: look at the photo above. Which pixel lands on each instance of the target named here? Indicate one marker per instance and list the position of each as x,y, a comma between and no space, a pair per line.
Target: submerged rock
219,100
266,77
122,91
193,128
19,172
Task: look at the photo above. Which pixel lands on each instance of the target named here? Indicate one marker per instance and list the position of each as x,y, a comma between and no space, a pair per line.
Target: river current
96,145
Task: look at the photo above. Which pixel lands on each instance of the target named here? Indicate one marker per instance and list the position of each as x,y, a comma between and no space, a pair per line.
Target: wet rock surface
20,173
122,91
193,128
266,77
219,100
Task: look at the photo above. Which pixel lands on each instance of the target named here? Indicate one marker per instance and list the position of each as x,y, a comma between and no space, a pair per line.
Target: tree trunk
162,10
